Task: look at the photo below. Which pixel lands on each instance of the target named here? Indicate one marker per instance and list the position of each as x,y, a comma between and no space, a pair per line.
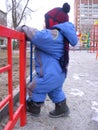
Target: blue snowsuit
49,47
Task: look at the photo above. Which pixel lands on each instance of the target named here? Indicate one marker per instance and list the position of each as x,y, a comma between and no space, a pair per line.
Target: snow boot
61,110
34,107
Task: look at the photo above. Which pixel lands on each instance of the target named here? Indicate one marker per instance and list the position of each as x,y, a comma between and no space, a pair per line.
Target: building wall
3,18
3,21
86,13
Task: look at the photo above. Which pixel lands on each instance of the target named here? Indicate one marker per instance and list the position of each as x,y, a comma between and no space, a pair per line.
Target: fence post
23,81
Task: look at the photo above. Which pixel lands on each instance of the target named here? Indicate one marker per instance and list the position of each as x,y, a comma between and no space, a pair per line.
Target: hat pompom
66,7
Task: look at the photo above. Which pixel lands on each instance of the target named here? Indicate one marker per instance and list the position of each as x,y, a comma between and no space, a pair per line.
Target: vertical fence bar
31,54
10,89
23,81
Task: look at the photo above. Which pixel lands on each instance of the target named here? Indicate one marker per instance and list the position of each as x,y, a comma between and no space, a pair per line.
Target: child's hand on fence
20,28
29,31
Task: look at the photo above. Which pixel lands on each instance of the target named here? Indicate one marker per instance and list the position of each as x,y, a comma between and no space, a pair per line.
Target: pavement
81,88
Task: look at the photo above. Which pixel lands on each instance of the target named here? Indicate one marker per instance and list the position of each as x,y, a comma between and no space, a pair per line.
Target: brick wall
86,13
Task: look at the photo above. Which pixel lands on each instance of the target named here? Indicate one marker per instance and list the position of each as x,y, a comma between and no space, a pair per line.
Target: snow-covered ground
81,88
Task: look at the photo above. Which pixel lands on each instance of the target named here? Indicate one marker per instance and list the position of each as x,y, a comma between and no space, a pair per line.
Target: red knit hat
57,15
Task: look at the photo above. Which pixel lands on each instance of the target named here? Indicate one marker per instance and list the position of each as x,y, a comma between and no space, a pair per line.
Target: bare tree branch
18,10
23,12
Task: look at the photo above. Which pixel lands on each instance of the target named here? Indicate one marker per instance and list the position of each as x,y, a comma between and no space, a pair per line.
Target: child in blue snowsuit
49,79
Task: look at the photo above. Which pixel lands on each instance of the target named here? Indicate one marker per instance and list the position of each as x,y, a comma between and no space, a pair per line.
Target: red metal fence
94,40
20,113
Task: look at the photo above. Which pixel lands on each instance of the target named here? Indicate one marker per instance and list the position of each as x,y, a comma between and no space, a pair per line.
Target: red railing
20,113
